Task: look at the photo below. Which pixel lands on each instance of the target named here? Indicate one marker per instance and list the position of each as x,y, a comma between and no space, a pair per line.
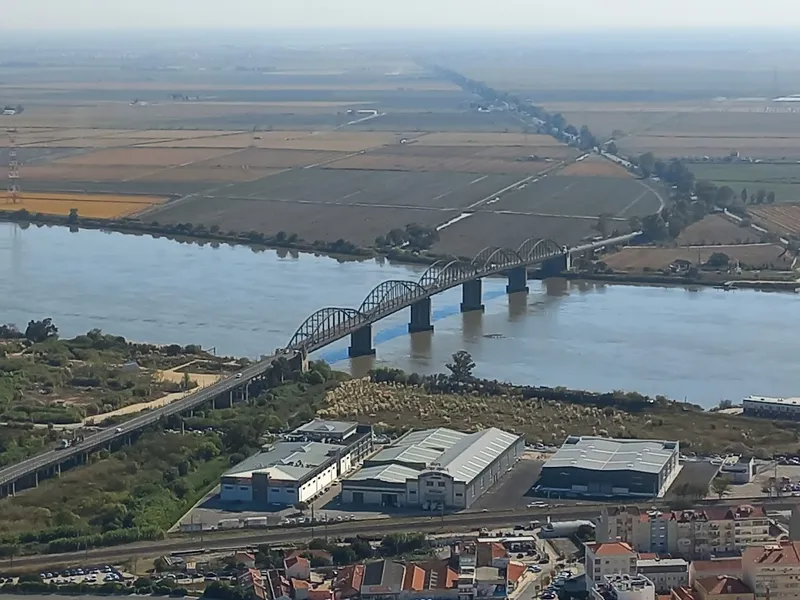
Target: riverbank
704,280
187,233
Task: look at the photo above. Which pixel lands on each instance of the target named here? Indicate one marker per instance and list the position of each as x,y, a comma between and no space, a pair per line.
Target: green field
781,178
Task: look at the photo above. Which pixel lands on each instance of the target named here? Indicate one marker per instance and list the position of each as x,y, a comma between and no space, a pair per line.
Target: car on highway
238,376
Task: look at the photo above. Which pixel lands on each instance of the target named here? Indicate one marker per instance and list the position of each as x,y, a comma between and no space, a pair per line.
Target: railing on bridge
330,324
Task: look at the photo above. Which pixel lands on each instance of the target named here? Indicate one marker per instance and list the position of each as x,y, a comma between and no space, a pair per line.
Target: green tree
718,259
462,366
761,196
647,162
721,486
72,219
39,331
343,555
724,196
611,148
603,225
301,506
186,382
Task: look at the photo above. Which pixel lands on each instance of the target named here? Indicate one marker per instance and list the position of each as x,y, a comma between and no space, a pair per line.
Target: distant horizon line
541,29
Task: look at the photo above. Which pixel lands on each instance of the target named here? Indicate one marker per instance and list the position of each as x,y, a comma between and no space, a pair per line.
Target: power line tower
13,168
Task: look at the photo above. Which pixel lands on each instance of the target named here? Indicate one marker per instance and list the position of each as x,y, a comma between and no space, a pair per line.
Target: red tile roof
414,578
732,565
299,584
610,548
297,560
515,570
723,585
348,581
786,553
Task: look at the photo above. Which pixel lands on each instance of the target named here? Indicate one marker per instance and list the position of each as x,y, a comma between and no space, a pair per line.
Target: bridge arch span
323,323
391,293
535,249
443,273
496,256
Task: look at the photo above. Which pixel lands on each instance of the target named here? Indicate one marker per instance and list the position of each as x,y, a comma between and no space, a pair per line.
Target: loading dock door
389,500
358,497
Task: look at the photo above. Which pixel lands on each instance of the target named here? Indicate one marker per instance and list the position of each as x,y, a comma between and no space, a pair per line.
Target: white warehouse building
439,467
289,472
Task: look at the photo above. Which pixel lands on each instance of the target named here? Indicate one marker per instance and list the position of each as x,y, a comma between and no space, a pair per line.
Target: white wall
317,483
234,492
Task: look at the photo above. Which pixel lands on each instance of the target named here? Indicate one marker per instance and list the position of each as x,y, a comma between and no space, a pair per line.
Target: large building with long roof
602,467
299,467
434,467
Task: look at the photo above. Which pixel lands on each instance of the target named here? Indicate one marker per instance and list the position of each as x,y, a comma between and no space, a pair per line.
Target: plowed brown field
781,218
750,255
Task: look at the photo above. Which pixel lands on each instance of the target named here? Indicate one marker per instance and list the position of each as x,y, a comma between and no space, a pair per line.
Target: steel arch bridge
330,324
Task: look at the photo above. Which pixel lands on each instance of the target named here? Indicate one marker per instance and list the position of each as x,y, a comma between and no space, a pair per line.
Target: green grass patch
781,178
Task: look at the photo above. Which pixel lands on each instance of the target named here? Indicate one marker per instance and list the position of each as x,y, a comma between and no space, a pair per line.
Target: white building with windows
434,468
603,559
289,472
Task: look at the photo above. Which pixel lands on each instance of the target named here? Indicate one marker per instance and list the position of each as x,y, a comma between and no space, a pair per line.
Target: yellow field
98,206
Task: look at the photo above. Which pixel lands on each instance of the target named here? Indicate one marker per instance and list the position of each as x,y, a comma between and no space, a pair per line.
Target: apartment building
604,559
624,587
665,573
773,571
714,588
713,530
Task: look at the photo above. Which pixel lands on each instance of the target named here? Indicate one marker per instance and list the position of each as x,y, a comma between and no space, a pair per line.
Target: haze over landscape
396,14
509,224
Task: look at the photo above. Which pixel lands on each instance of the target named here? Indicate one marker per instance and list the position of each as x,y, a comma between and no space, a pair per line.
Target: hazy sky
337,14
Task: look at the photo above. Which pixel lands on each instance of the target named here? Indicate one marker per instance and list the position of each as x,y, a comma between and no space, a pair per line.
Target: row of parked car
94,575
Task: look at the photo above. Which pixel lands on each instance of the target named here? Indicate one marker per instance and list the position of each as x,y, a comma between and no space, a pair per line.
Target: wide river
703,345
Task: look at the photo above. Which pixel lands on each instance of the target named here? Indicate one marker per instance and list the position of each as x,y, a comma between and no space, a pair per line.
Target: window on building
429,484
412,491
440,484
459,494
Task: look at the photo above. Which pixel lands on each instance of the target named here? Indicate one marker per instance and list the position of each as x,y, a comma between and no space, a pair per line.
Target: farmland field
781,178
89,205
564,195
716,229
782,219
757,256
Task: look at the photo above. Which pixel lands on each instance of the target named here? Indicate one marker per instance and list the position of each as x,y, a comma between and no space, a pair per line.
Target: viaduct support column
557,265
472,295
420,316
517,280
299,362
361,342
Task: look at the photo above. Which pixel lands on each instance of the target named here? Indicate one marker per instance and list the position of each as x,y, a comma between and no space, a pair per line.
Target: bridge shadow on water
391,333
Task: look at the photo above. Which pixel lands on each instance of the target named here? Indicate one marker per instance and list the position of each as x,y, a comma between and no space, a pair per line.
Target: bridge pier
517,280
420,316
557,265
472,296
299,362
361,342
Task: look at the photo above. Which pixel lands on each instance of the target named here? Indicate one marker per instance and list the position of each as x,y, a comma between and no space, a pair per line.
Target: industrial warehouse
601,467
299,467
434,468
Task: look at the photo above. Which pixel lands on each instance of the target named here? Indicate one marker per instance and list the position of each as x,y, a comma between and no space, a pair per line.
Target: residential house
276,586
665,573
383,580
252,583
297,567
773,571
246,559
714,588
703,569
711,531
348,582
608,558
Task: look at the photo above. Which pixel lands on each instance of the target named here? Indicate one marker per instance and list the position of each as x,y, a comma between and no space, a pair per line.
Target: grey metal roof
462,456
406,455
386,473
286,460
384,573
465,459
603,454
322,426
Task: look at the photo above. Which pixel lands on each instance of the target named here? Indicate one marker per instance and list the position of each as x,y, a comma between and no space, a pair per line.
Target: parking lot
513,489
787,477
87,575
